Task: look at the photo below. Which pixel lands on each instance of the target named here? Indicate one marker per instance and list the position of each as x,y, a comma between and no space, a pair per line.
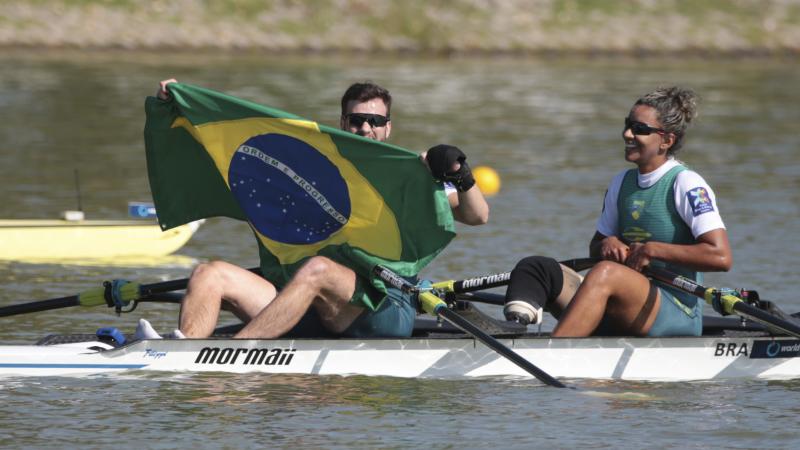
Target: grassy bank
436,26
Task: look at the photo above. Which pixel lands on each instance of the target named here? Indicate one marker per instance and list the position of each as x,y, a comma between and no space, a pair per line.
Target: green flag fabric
305,189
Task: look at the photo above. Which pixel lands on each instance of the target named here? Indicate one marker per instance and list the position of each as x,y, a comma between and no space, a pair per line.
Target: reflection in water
233,410
298,392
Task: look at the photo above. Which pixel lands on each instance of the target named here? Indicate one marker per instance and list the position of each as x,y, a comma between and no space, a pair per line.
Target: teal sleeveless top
649,214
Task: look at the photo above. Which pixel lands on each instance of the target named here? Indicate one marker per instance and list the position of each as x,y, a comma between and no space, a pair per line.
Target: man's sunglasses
641,129
374,120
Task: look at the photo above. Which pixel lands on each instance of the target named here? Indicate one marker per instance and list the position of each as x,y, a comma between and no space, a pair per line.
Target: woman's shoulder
691,187
689,177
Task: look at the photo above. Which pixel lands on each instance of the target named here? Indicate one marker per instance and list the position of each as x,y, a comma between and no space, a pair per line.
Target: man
320,283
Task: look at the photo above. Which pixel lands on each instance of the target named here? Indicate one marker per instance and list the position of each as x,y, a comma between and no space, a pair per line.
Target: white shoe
178,334
145,331
523,312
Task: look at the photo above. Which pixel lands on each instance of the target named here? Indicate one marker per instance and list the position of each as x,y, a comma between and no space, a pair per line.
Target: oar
145,292
437,307
115,293
502,279
729,303
111,294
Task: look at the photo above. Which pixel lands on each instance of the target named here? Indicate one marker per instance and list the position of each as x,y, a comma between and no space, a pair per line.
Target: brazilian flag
305,189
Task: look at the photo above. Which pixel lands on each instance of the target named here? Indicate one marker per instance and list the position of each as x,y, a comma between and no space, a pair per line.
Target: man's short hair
362,92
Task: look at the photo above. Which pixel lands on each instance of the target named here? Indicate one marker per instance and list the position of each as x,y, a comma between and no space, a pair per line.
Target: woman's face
646,143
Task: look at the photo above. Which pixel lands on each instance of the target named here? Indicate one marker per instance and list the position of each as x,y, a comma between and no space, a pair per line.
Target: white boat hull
651,359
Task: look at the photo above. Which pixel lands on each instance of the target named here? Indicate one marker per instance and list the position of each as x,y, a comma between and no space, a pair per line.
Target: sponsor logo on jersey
636,209
699,201
636,234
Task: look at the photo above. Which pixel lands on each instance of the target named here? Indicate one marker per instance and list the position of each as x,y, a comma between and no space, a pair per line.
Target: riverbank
639,27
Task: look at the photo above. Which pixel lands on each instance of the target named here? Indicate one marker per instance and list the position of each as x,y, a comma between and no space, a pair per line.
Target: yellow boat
49,240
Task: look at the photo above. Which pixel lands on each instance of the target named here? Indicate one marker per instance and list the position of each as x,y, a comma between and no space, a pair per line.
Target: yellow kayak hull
32,240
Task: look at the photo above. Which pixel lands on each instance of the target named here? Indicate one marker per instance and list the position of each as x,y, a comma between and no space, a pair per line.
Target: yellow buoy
487,179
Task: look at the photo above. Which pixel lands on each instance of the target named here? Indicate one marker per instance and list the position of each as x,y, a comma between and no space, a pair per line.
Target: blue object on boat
141,210
111,334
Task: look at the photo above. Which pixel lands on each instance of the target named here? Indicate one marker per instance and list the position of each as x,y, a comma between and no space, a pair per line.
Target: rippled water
551,127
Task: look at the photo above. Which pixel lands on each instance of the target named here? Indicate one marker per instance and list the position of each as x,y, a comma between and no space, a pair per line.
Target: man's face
367,119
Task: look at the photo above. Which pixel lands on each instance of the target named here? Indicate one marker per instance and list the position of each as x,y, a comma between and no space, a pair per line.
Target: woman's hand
639,256
613,249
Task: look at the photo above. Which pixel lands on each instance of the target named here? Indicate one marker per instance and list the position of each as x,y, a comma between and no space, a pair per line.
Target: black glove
441,158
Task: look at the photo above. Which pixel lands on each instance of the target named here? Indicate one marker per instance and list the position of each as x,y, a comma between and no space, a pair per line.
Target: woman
660,214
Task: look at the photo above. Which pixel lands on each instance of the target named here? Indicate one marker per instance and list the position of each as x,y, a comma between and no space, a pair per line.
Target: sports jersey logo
636,209
700,201
636,234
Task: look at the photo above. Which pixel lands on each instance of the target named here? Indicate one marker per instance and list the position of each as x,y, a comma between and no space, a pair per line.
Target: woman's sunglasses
374,120
641,129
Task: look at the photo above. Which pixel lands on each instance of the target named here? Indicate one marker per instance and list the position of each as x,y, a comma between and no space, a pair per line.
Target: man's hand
162,92
449,163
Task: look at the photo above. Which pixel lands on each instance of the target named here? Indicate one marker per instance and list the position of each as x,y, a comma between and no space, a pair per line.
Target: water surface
551,127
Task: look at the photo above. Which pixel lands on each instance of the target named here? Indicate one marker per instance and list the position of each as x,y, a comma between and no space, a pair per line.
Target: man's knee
317,270
212,271
206,272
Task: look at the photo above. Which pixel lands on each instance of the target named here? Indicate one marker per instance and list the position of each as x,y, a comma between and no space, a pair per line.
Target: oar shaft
502,279
147,290
42,305
174,285
487,340
580,264
760,316
435,306
677,281
730,303
106,295
479,283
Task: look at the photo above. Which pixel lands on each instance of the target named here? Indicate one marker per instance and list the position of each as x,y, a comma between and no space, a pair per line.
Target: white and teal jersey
694,199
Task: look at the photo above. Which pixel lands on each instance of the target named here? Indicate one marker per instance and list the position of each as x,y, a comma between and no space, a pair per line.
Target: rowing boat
463,342
55,240
730,350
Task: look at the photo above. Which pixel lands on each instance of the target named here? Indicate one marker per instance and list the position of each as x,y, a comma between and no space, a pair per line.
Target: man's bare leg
320,282
212,283
617,292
